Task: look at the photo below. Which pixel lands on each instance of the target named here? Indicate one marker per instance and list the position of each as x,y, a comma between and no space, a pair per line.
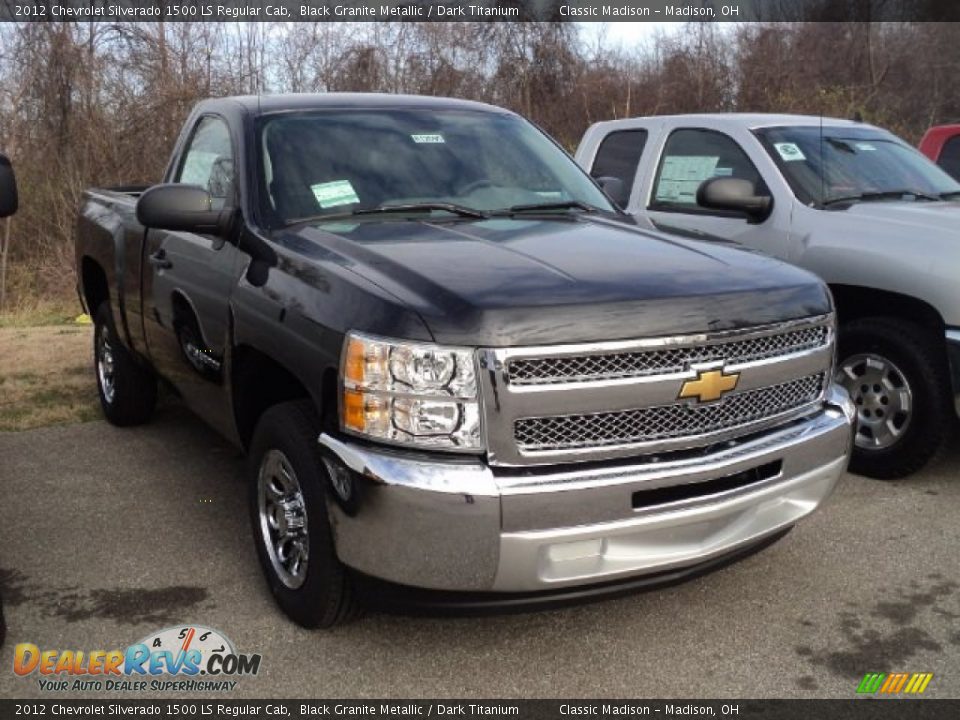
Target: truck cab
849,201
942,145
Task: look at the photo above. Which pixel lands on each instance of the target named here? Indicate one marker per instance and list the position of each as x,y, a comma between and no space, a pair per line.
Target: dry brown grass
46,376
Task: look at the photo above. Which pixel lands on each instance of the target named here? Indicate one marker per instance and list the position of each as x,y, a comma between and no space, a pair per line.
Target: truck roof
750,120
261,104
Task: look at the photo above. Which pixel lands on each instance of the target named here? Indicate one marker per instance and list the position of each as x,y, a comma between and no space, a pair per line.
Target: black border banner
479,10
854,709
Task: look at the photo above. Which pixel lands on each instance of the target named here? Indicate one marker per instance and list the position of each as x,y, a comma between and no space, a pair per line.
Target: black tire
325,597
921,359
133,395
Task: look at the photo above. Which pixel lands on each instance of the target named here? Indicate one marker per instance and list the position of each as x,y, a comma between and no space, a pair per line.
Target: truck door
689,157
187,283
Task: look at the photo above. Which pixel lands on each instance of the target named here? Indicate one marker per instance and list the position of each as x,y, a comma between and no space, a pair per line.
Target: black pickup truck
454,365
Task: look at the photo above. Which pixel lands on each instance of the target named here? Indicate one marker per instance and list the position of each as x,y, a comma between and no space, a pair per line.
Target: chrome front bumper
458,524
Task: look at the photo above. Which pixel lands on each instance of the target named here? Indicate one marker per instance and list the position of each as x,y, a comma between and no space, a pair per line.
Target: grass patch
46,377
41,314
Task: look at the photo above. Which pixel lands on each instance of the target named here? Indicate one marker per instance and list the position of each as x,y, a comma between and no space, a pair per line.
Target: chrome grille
665,422
661,361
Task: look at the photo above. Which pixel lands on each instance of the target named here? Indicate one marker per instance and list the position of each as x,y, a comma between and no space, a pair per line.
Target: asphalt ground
109,534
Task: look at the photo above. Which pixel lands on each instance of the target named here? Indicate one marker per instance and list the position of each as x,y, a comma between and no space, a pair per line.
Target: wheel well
855,302
95,287
260,382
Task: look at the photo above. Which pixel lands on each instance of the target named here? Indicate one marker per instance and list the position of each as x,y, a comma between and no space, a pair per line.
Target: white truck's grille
664,422
660,361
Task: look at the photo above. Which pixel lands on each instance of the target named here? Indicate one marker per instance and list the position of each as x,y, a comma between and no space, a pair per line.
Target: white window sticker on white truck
332,194
789,152
681,175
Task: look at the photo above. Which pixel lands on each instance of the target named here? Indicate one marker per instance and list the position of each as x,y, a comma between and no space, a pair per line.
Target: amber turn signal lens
355,362
354,417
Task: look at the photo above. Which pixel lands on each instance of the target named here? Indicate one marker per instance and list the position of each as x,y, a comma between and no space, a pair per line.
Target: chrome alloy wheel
283,518
105,365
883,397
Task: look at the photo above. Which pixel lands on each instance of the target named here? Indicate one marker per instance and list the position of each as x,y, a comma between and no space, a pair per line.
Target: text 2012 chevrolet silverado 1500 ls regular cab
453,364
848,201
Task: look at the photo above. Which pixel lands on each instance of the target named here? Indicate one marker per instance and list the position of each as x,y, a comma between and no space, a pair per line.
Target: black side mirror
188,208
735,195
614,188
9,201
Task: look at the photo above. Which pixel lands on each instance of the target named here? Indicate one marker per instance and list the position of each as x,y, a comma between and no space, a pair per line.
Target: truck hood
919,215
909,248
508,282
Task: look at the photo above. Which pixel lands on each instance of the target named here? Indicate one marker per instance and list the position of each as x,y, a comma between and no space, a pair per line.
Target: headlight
410,393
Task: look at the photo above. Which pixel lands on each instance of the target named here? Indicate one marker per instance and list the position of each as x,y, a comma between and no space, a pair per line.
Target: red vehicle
942,145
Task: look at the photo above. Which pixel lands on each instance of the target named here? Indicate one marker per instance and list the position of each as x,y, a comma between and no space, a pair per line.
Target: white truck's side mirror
734,195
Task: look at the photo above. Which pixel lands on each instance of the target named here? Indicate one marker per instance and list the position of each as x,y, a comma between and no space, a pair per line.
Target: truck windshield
853,164
334,162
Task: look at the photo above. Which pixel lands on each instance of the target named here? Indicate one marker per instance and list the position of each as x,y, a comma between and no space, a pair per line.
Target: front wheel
288,511
896,373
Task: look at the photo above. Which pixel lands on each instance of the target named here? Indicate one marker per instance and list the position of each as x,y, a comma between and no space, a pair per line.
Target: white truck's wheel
896,374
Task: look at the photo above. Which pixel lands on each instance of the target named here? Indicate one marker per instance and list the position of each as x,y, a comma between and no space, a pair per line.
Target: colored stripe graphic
894,683
871,683
919,681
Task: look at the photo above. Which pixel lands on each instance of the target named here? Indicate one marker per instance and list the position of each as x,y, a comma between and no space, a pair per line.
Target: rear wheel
896,373
288,511
128,391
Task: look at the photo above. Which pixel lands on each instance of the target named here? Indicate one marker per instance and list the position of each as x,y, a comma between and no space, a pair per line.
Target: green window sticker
428,139
790,152
332,194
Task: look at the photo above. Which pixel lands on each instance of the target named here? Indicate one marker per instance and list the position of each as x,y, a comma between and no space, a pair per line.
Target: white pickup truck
851,202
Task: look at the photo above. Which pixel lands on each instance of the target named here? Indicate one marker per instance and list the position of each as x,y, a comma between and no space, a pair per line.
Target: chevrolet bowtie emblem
709,385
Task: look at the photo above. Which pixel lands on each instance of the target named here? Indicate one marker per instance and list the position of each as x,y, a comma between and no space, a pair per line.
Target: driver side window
693,156
208,161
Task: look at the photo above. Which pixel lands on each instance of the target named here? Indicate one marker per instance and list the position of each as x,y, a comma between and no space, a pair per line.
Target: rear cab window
619,157
692,156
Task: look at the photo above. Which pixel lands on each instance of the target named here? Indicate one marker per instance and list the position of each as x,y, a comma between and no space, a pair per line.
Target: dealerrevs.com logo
187,658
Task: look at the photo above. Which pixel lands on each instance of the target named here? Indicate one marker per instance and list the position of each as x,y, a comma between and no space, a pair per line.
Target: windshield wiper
451,208
886,194
538,207
950,194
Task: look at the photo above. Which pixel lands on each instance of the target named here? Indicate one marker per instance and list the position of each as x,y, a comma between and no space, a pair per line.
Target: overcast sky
628,34
631,34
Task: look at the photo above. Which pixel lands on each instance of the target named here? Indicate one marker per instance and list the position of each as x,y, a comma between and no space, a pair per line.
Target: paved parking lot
107,535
